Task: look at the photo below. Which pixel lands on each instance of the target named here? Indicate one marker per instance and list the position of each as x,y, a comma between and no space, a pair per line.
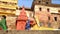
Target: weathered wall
44,14
56,24
44,8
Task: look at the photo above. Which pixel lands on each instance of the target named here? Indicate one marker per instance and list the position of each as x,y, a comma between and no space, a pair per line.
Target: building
46,7
8,7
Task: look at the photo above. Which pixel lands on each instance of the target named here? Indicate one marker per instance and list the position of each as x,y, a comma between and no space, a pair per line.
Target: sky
25,3
55,1
28,3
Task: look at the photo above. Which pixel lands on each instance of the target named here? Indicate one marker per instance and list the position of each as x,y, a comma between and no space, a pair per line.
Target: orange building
22,20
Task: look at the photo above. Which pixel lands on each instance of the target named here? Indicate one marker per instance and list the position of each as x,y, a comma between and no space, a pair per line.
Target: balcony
7,12
10,6
12,1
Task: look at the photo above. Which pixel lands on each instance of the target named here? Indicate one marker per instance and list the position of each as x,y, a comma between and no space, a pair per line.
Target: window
39,1
46,2
48,18
16,7
55,18
59,11
40,9
48,9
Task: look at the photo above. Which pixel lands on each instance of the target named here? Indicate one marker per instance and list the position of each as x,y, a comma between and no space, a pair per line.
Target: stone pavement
30,32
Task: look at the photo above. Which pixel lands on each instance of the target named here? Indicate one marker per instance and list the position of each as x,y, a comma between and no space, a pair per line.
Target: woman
3,23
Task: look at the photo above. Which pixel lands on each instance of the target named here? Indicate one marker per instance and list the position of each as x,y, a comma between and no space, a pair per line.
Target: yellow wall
12,1
11,4
8,5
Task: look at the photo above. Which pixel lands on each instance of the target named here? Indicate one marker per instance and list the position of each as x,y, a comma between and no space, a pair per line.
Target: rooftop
46,3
